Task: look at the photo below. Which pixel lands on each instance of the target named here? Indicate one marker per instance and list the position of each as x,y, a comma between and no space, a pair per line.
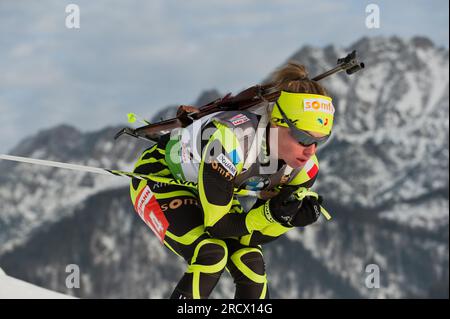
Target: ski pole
105,171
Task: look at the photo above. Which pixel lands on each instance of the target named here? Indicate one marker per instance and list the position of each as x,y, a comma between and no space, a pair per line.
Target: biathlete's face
289,149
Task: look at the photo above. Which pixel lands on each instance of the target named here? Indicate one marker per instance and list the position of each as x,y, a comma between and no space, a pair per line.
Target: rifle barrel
244,100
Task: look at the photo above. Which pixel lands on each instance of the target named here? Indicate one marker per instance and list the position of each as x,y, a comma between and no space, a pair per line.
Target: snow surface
12,288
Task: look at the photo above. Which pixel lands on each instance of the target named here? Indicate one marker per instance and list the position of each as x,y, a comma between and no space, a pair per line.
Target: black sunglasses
303,137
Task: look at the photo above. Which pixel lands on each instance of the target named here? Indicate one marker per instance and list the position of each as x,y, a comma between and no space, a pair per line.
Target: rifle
242,101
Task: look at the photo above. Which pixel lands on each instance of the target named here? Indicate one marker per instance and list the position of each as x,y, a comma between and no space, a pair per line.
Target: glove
272,211
308,213
294,207
283,207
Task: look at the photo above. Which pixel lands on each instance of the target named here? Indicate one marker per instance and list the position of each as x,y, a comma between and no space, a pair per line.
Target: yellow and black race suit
211,227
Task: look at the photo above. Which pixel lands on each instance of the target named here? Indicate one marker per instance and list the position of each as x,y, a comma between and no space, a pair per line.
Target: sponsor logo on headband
322,122
318,105
282,121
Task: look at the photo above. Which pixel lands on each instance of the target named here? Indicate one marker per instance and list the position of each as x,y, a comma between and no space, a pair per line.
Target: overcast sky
140,56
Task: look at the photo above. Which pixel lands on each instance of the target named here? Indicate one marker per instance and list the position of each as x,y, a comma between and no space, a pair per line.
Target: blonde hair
293,78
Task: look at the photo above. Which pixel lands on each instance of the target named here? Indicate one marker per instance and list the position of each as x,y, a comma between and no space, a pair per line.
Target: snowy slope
11,288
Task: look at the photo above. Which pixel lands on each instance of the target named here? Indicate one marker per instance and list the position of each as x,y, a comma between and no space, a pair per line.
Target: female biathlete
269,151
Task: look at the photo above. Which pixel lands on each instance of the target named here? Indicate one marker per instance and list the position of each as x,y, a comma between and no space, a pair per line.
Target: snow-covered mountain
32,196
384,175
391,137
